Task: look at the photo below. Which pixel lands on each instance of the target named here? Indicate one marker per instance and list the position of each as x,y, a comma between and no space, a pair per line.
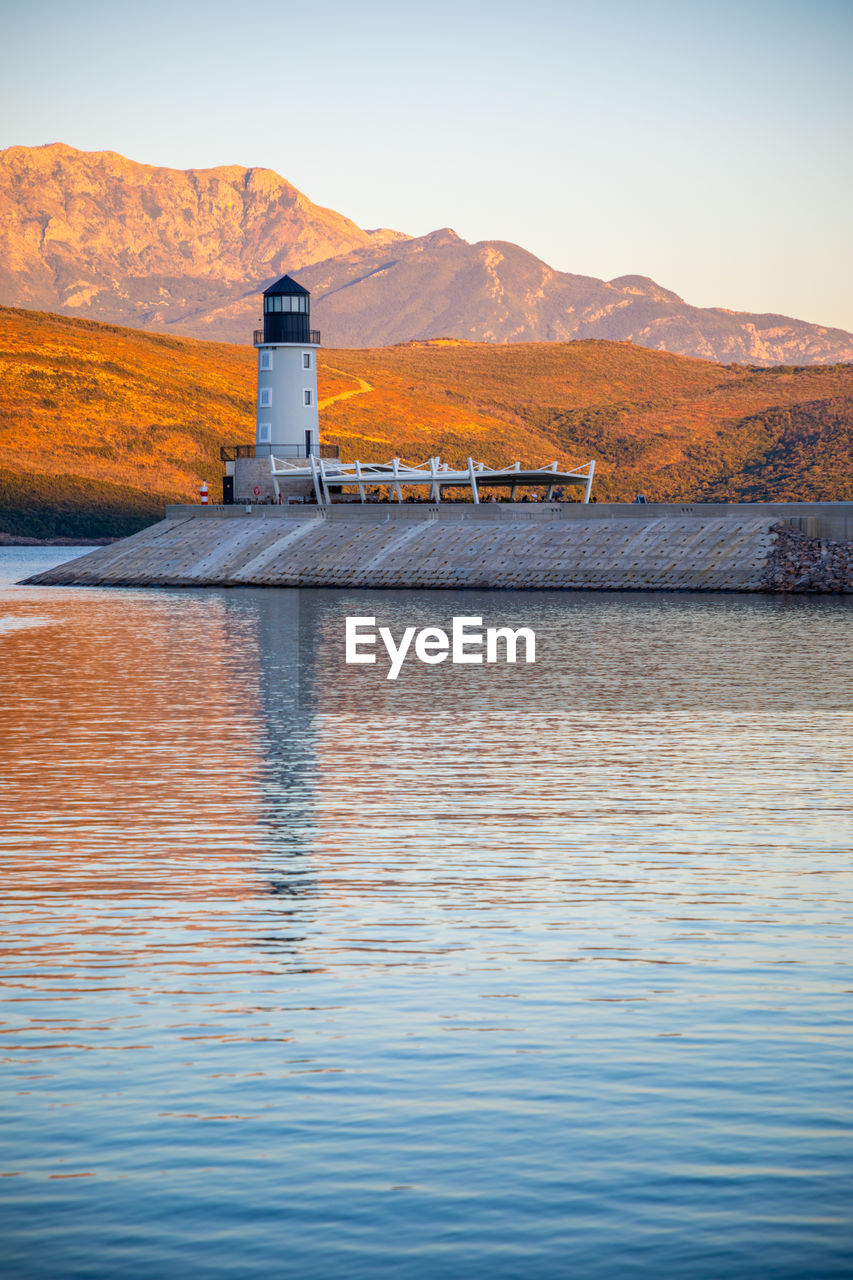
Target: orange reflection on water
130,757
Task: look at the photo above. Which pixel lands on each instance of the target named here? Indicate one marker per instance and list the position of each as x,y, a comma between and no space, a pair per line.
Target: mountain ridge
120,241
189,251
509,295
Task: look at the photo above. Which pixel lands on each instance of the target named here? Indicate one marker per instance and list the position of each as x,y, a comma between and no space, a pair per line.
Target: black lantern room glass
287,313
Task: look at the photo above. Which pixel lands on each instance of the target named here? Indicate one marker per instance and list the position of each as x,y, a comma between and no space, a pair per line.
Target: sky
709,146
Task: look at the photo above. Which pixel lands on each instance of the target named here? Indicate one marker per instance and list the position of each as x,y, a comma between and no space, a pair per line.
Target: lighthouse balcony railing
312,340
231,452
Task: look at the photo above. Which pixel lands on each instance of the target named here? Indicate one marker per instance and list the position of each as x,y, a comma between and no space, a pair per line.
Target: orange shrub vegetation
94,408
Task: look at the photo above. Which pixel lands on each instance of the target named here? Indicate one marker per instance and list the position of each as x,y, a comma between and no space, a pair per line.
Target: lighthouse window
264,431
307,396
265,398
306,359
266,360
286,302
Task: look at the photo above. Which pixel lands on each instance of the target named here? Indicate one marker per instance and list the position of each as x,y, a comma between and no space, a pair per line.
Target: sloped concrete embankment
697,554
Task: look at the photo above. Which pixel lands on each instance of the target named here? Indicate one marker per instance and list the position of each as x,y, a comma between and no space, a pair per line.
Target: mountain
103,425
96,235
441,286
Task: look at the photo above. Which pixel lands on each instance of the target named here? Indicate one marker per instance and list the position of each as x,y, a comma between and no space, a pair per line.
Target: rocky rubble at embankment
800,564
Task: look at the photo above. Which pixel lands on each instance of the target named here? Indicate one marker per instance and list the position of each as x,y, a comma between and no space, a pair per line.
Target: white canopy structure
328,475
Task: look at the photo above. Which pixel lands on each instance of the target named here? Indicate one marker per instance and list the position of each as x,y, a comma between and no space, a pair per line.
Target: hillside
188,252
101,425
672,427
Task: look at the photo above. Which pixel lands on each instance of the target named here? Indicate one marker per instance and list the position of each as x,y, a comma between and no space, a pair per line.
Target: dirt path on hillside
363,386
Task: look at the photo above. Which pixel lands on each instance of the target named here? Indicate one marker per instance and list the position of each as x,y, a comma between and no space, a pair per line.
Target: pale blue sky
706,145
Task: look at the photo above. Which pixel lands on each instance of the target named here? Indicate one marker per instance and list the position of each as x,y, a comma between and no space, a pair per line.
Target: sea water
534,970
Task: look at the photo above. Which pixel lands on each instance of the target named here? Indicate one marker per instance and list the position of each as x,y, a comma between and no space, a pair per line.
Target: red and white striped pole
203,493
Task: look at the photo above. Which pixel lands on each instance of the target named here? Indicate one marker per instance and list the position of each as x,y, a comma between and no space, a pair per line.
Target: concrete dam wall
701,547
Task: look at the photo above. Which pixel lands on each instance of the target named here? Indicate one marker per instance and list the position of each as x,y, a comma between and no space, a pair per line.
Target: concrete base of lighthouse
253,483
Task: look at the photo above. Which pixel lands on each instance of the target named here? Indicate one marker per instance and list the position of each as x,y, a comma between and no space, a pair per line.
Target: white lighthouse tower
288,424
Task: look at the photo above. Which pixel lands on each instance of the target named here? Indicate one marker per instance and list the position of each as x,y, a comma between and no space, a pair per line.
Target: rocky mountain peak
94,234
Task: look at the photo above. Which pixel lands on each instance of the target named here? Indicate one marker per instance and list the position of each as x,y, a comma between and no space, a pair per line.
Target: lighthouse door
307,444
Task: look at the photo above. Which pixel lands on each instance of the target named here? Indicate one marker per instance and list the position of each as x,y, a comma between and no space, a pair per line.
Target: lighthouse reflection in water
487,971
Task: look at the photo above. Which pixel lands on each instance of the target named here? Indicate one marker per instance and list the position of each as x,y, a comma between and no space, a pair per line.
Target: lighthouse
288,424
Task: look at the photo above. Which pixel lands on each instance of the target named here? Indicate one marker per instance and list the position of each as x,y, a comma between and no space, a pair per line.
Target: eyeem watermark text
468,642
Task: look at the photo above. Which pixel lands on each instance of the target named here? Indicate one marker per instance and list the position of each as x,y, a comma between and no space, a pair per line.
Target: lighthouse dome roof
285,285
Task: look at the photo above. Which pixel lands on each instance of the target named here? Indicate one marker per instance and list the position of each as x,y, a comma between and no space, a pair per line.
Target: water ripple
483,972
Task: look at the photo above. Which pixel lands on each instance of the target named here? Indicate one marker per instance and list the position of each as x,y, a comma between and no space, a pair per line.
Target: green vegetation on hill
801,450
64,506
101,426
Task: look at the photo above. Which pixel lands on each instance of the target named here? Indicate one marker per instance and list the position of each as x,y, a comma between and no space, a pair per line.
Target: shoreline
16,540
